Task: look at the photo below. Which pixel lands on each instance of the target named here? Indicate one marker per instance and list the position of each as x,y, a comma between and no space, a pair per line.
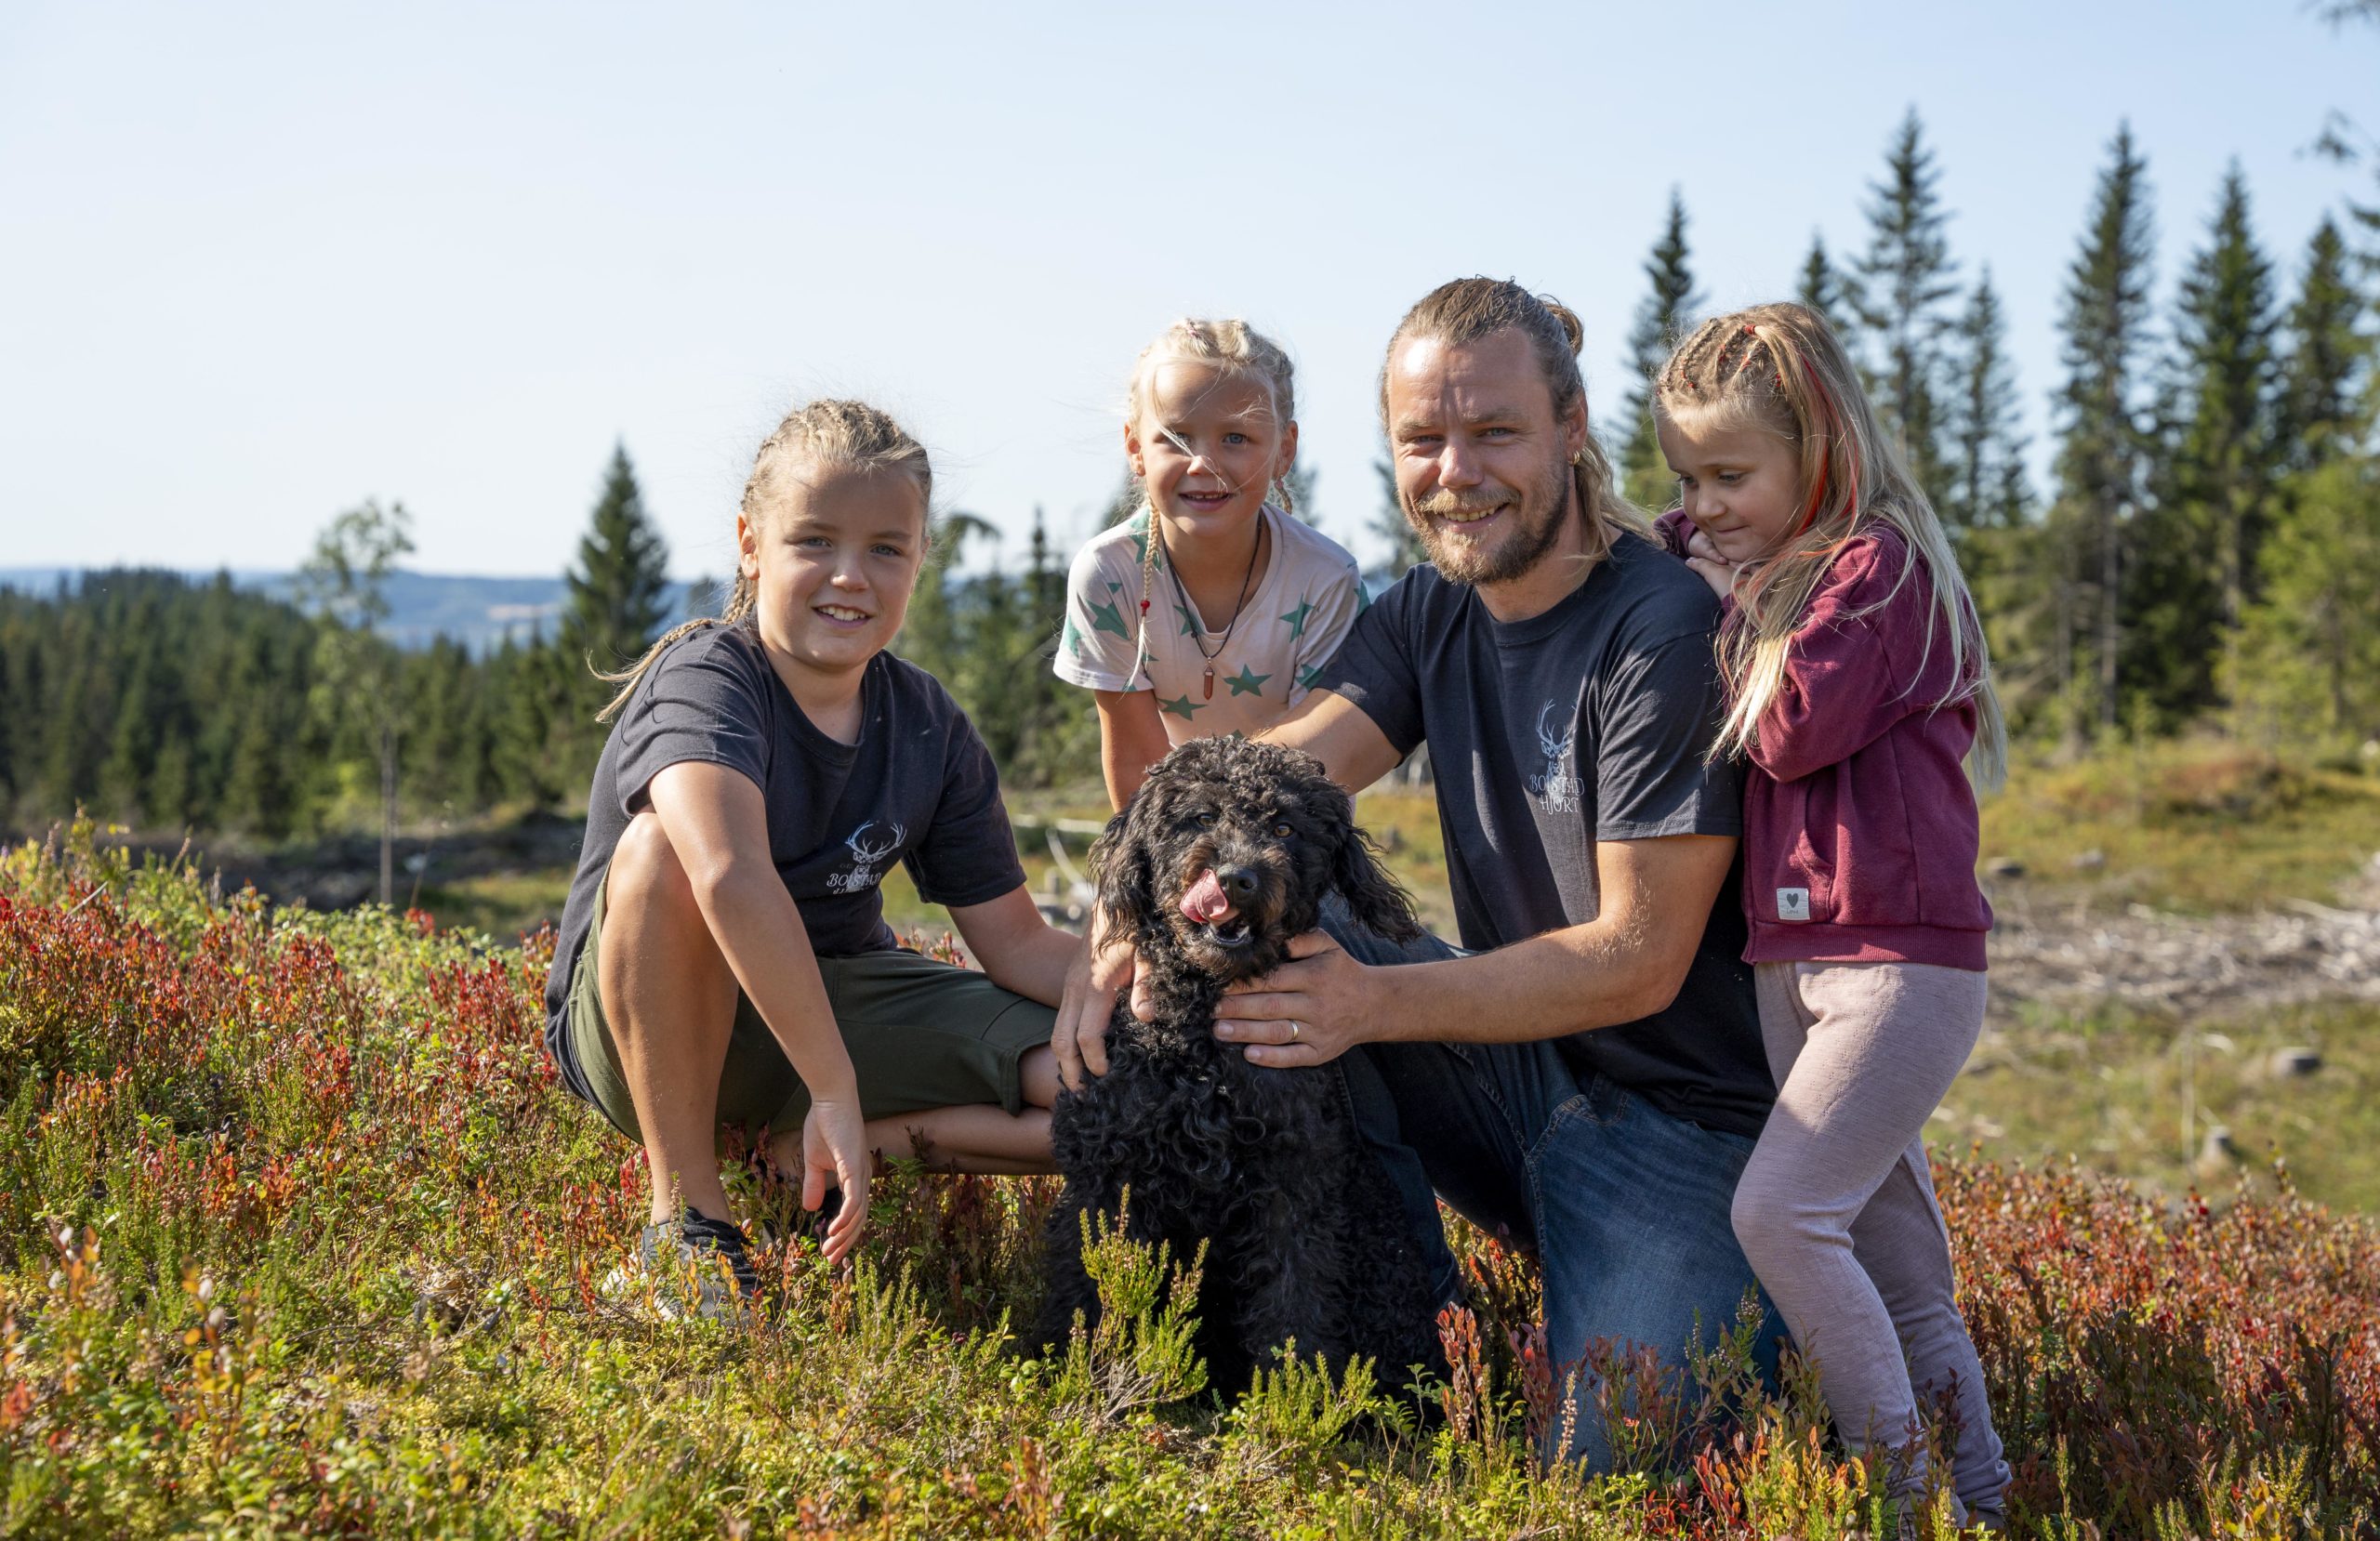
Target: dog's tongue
1205,901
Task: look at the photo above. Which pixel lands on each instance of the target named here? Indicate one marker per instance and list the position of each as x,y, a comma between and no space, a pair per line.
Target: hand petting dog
1102,971
1308,1012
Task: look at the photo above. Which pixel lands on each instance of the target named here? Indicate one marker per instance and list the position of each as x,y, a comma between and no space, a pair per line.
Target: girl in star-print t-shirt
1210,610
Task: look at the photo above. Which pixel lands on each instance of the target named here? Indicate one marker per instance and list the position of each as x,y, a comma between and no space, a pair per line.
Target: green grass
2204,827
500,904
2113,1086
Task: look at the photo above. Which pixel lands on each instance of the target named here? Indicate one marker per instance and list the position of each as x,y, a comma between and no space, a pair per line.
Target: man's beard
1536,519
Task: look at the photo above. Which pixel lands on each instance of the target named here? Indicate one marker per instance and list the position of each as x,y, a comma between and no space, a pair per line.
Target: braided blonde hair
1779,369
843,434
1238,350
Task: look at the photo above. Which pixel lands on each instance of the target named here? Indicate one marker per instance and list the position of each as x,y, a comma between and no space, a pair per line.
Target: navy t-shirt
1589,722
917,788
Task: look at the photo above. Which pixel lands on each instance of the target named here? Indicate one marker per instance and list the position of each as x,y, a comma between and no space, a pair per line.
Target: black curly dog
1305,1236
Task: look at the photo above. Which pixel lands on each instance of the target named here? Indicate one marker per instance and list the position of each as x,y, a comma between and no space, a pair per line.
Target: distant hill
478,613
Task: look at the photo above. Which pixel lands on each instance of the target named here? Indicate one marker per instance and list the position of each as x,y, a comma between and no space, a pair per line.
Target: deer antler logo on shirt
1555,785
866,855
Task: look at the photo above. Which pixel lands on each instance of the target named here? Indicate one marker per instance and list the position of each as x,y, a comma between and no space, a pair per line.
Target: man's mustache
1446,505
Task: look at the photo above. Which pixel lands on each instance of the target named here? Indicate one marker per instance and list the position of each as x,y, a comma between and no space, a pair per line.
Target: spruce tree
2324,351
2311,649
215,660
929,636
167,803
1123,503
505,703
619,590
1062,731
545,732
1821,287
1904,282
2104,318
1987,485
1300,484
1404,547
124,776
996,618
71,763
267,724
2226,456
1045,579
1645,478
438,753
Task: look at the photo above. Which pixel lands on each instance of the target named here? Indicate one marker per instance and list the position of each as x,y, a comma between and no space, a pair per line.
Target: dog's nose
1239,884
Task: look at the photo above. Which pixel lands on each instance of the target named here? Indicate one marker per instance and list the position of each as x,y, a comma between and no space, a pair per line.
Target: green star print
1247,681
1183,708
1297,618
1108,618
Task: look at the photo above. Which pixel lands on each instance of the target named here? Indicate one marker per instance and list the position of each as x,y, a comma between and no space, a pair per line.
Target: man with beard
1585,1074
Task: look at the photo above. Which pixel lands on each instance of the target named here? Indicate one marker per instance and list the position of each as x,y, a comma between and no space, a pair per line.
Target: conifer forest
2203,552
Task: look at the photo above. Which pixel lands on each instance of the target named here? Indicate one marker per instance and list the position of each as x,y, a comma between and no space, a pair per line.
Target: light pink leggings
1836,1211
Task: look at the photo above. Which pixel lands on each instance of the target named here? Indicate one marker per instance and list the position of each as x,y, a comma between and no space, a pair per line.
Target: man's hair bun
1571,326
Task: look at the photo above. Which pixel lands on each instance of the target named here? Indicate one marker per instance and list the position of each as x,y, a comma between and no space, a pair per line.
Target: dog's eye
1207,820
1281,828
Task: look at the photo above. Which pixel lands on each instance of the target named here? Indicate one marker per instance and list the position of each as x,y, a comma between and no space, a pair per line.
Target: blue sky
260,262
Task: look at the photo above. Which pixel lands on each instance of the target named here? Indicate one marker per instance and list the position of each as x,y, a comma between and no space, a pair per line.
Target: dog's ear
1124,875
1377,901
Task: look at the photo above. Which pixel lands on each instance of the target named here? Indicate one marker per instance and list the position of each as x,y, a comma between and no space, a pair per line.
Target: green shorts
920,1033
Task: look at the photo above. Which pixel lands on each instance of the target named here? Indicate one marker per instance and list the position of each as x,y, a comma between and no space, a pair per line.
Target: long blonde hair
1466,310
847,435
1779,369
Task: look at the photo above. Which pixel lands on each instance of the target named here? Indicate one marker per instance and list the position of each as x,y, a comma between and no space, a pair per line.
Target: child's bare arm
1018,949
1131,738
718,825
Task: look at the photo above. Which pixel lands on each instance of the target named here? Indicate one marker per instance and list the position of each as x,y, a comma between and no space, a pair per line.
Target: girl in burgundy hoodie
1858,688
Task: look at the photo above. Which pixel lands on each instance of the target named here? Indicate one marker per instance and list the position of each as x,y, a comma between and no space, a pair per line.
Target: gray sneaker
698,1267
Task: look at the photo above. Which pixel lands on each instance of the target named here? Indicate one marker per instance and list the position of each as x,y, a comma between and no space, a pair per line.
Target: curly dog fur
1306,1240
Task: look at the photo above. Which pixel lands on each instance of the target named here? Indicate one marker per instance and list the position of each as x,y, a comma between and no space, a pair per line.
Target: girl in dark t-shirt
723,956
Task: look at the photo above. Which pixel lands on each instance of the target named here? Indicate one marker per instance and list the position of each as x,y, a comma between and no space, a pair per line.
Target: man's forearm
1548,986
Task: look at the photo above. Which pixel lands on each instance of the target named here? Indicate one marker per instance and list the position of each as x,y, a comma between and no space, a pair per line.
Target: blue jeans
1625,1207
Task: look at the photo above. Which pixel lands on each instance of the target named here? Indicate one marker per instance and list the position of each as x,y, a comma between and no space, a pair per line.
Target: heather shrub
299,1235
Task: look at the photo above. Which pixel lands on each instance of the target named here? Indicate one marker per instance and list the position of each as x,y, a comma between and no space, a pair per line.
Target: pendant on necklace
1210,681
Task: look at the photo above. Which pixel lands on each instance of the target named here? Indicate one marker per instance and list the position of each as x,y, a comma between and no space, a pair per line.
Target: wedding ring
1293,1030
